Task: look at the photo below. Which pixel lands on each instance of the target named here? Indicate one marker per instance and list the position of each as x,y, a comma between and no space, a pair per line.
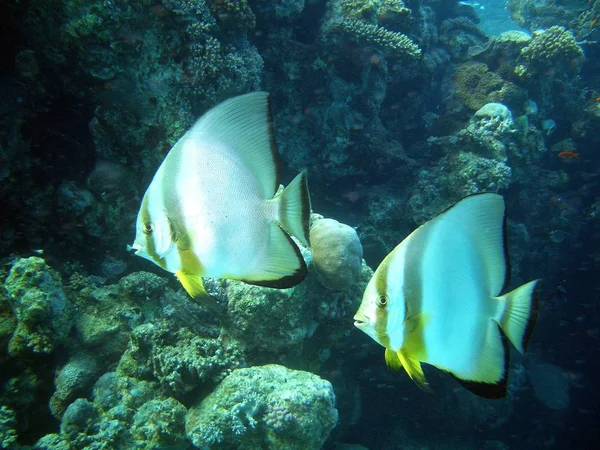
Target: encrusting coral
267,407
477,85
36,296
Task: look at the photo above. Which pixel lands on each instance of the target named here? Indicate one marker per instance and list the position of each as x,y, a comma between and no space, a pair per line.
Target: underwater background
397,109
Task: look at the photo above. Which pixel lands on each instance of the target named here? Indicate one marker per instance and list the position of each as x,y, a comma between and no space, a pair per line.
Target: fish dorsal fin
243,126
398,360
482,218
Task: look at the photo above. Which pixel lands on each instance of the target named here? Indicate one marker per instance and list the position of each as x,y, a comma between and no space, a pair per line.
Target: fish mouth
134,248
360,322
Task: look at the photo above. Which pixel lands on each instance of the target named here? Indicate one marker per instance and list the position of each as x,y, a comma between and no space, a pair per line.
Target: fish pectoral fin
184,242
192,284
416,322
398,360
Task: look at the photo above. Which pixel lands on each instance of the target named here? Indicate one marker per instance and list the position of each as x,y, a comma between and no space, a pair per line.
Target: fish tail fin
295,208
519,314
192,284
398,360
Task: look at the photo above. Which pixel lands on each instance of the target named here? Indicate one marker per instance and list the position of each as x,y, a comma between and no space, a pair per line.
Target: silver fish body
211,209
436,298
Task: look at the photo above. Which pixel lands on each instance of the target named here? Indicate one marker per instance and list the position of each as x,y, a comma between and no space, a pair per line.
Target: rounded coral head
336,253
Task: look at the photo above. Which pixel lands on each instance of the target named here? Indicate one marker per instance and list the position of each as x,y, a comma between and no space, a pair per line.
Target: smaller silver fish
436,299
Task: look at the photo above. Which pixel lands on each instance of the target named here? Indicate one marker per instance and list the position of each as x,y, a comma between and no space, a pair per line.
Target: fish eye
148,228
382,301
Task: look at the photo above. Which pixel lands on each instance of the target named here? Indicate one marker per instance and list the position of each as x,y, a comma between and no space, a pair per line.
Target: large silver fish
436,299
212,208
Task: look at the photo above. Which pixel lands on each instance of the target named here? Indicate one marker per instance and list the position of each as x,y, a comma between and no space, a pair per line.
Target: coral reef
392,42
540,14
73,379
268,407
36,296
554,48
137,74
462,37
162,346
270,321
475,161
336,253
280,325
178,359
477,85
8,434
125,413
490,132
396,109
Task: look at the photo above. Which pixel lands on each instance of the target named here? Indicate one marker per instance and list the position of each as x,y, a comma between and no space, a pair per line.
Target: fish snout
134,248
361,321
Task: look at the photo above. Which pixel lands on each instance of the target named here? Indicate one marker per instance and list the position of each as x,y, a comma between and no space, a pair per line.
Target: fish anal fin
398,360
192,284
484,390
283,267
489,377
495,390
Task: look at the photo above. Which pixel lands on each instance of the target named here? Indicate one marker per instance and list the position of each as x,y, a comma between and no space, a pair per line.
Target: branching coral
392,42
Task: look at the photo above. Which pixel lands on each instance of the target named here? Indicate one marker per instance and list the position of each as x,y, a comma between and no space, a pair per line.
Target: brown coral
477,85
233,16
552,48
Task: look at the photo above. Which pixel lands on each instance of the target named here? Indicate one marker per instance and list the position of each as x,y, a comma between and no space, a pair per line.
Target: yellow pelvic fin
392,360
192,284
396,360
